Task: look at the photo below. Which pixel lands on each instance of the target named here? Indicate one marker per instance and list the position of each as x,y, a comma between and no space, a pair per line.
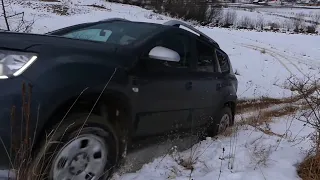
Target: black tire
67,131
213,128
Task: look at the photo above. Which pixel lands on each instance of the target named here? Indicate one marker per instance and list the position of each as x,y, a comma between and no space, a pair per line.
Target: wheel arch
110,101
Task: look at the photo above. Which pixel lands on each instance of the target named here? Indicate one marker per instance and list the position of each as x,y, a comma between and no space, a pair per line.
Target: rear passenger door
227,75
207,80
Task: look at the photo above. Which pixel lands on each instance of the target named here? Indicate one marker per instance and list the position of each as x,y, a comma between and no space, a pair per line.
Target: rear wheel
71,154
221,123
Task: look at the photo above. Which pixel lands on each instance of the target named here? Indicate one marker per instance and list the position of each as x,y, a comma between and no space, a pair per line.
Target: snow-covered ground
247,155
263,62
283,17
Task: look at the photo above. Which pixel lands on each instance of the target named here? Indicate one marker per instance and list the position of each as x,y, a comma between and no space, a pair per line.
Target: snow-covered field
268,13
248,155
263,62
283,17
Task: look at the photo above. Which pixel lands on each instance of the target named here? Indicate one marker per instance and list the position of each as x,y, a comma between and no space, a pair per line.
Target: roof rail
114,19
176,22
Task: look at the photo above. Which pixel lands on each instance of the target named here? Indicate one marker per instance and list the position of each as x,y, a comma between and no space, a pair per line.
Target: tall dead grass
309,169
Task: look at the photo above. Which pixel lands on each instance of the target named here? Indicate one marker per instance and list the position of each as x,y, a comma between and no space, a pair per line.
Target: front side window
117,32
181,44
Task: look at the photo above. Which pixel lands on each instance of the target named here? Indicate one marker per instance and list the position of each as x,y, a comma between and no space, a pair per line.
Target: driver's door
163,100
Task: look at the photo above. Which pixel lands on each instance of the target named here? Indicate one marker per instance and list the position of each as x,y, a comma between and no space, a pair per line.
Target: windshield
117,32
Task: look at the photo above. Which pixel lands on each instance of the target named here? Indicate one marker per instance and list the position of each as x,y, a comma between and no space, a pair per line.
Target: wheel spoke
95,166
63,174
81,176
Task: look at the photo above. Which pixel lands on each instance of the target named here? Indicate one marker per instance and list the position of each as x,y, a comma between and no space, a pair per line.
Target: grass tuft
309,169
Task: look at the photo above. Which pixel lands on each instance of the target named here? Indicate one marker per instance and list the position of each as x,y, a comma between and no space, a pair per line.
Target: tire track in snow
277,56
288,57
307,61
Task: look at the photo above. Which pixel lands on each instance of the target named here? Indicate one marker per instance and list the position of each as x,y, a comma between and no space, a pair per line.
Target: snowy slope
263,60
261,74
248,155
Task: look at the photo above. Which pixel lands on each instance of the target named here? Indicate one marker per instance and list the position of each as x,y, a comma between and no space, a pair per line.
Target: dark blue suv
79,97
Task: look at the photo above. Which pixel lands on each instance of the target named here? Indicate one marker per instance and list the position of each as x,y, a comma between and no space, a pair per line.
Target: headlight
14,63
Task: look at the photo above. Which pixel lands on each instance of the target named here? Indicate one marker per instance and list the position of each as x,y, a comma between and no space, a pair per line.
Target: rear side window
206,57
223,61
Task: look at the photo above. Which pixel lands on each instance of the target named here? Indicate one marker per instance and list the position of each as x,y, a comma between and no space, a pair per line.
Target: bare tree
5,15
15,21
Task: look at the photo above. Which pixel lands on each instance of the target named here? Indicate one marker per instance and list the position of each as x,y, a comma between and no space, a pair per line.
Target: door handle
140,82
189,85
222,85
219,86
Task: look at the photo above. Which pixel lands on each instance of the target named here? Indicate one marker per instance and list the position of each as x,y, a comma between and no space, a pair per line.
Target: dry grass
246,105
97,6
266,116
25,165
309,169
59,9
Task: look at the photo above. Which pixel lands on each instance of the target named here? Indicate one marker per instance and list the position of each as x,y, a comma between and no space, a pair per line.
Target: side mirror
164,54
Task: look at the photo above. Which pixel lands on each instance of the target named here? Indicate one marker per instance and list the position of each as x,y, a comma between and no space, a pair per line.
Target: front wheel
88,155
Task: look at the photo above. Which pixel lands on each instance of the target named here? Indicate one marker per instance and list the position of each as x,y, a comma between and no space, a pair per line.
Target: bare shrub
245,22
311,114
316,17
201,11
302,86
157,5
274,25
229,18
260,22
311,29
288,24
298,21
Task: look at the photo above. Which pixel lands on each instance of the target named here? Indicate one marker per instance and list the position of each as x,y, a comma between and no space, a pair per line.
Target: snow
261,74
263,61
281,16
250,155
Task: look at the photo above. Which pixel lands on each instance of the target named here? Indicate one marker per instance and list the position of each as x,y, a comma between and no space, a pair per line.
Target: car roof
160,27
